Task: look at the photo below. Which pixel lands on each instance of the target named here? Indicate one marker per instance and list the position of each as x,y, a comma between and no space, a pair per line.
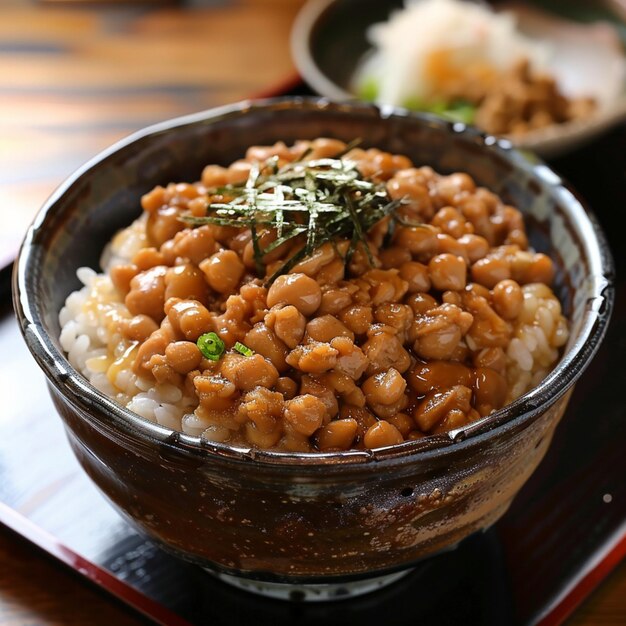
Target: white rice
538,334
92,348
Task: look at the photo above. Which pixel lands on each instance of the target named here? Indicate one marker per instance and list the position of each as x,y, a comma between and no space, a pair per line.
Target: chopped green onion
458,111
455,111
415,104
242,349
369,89
211,346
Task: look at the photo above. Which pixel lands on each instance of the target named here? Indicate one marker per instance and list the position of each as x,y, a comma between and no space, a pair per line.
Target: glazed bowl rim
80,393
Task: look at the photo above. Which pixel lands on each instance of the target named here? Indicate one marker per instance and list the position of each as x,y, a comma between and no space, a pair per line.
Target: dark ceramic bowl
285,517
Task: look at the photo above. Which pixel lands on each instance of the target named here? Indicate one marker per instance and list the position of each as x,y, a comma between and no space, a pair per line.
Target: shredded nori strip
321,200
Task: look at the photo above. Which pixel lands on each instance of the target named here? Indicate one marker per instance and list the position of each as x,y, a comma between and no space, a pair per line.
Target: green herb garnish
243,349
457,111
368,89
211,346
307,203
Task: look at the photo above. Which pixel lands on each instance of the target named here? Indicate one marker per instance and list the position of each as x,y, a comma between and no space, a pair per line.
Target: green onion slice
242,349
211,346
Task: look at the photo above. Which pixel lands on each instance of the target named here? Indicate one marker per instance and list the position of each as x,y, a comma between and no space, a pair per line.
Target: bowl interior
85,212
335,34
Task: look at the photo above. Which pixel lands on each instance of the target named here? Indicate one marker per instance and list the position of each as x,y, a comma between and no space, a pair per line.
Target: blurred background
77,76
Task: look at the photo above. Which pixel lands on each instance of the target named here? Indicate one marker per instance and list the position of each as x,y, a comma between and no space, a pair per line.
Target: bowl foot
311,592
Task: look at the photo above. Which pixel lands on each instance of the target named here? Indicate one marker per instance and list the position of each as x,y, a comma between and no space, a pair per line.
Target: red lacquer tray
565,531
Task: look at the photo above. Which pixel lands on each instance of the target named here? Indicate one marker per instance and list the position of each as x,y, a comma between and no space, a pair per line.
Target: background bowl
284,517
329,41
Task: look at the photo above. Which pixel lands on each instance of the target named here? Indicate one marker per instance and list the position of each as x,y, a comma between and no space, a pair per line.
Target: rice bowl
280,516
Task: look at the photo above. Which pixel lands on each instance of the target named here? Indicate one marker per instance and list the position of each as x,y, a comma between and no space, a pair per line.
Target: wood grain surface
35,589
73,79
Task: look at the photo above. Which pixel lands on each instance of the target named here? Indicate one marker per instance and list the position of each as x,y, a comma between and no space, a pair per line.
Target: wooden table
74,79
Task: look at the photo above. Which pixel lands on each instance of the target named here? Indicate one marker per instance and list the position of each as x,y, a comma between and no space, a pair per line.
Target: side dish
317,297
466,62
